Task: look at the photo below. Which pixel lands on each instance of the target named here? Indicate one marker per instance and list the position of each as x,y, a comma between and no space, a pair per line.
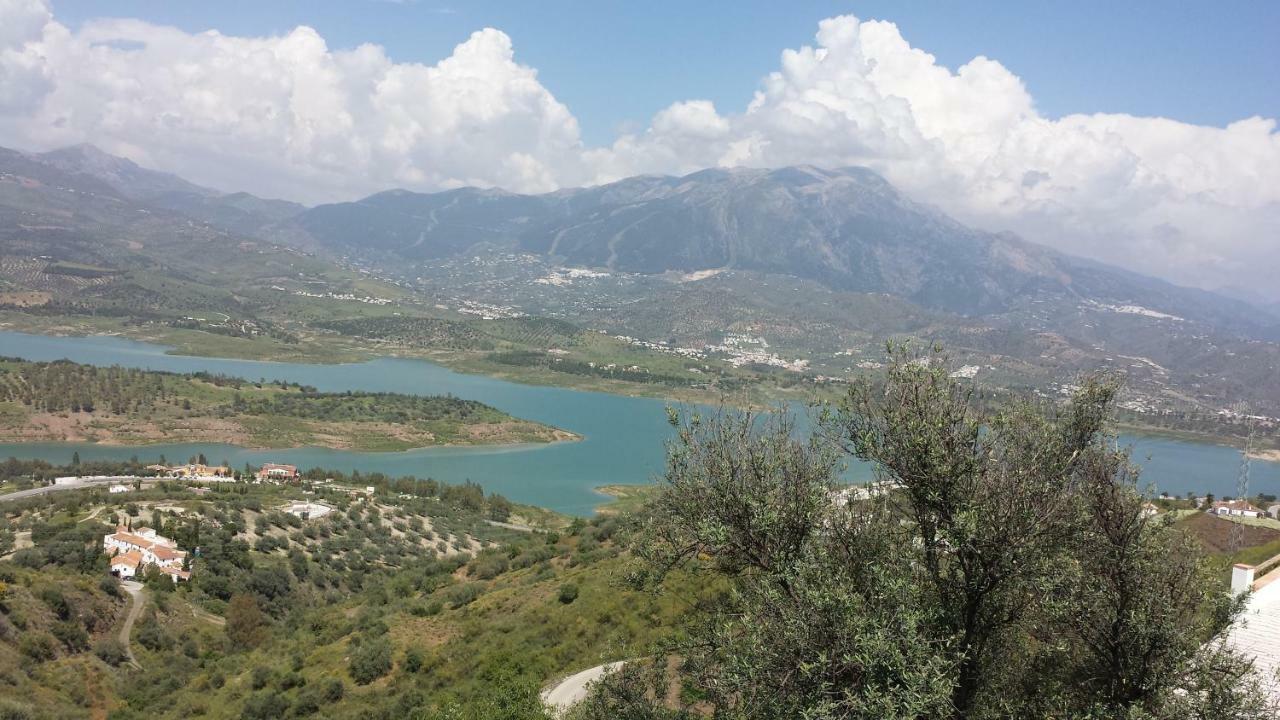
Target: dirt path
136,600
573,689
511,526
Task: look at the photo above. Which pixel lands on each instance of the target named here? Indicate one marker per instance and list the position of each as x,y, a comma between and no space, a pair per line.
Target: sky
1139,133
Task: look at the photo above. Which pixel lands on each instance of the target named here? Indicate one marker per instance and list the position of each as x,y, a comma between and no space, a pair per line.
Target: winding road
573,689
136,600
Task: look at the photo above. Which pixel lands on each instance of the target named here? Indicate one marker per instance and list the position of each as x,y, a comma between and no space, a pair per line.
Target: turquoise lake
623,436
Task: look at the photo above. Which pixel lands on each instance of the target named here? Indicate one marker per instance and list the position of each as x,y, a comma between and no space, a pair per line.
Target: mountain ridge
848,228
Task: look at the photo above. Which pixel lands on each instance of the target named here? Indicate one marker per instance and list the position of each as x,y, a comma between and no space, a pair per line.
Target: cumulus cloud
283,115
1199,205
289,116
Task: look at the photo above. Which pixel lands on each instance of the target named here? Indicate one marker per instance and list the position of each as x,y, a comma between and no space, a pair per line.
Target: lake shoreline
623,438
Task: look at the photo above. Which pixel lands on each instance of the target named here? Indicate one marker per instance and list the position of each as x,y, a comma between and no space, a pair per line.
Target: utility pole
1242,480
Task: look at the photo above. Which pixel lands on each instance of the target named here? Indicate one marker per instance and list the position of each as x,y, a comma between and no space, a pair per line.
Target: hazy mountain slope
238,212
848,229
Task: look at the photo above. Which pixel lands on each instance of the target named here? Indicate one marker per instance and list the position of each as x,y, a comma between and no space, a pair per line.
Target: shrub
72,636
39,646
370,661
260,677
464,594
110,651
265,706
334,690
14,710
568,593
109,585
153,637
412,660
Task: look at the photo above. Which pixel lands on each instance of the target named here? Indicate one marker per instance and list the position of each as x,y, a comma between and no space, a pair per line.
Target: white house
1240,508
133,551
118,489
126,565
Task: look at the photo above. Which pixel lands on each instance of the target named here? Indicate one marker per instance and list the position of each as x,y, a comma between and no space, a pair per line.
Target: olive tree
1004,567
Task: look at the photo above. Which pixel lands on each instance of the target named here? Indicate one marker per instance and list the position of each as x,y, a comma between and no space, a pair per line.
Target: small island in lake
69,402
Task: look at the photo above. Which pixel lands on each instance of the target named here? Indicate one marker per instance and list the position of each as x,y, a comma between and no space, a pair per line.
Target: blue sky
615,64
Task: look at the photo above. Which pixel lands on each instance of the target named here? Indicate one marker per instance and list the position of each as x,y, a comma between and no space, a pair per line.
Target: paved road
573,689
136,600
84,483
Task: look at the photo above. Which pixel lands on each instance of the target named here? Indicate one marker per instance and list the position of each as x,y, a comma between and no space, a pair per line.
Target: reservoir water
623,436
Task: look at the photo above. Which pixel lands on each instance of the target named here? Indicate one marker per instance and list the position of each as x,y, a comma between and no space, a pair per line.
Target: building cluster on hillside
132,551
199,472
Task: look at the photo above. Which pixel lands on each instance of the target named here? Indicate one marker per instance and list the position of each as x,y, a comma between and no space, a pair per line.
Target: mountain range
844,231
848,229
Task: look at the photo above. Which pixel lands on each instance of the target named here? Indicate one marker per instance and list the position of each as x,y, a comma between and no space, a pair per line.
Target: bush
568,593
334,690
412,660
260,677
265,706
153,637
13,710
111,651
109,585
39,646
371,661
464,594
72,636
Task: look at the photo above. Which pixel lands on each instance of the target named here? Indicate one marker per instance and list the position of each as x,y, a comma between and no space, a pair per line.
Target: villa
133,551
272,472
200,471
1240,508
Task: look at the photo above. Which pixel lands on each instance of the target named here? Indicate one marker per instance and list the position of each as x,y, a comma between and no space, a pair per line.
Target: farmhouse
132,551
1241,508
125,565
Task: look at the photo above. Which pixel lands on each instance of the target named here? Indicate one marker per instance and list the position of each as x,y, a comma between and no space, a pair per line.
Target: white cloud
286,115
289,116
1199,205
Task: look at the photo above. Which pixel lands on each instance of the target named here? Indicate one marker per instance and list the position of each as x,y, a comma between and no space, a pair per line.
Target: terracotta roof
131,559
165,553
127,537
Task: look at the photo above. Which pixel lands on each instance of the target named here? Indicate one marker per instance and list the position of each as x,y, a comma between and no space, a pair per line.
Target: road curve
136,601
573,689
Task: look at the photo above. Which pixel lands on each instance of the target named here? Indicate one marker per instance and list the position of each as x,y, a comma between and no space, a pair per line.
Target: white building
1239,508
132,551
307,510
118,489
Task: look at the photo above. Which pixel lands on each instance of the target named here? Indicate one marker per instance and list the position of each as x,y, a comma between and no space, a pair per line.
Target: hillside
64,401
402,607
